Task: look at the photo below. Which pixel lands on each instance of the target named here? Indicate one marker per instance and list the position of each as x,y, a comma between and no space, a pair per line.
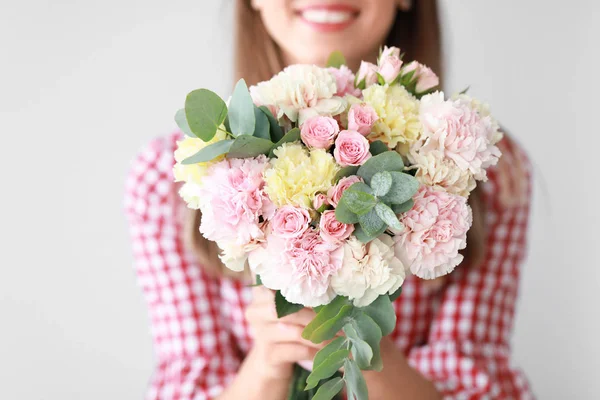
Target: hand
278,343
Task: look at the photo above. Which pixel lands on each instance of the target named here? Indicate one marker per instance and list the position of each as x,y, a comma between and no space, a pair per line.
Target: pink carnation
351,148
456,129
435,230
290,221
319,132
344,79
233,201
335,193
300,267
332,230
361,118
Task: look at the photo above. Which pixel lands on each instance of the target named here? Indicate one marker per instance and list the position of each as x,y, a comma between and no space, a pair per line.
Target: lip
326,27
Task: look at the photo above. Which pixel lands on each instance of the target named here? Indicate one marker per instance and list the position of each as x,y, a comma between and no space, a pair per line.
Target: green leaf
284,307
333,346
331,327
361,351
465,90
292,136
380,79
378,147
363,237
345,171
404,207
329,389
371,223
355,382
324,313
205,111
368,330
241,110
387,161
336,59
402,190
382,312
387,215
327,368
394,296
359,202
182,123
246,146
274,128
210,152
343,213
381,183
261,126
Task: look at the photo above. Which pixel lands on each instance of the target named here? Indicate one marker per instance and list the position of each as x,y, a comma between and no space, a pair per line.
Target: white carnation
299,92
442,173
368,271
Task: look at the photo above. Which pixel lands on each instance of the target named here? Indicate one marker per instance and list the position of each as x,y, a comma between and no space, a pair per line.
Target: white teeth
326,16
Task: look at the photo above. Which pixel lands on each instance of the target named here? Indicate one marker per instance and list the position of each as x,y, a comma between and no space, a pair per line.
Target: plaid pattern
457,335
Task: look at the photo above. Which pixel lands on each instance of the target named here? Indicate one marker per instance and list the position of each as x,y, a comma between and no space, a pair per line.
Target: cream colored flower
298,174
398,113
443,173
368,270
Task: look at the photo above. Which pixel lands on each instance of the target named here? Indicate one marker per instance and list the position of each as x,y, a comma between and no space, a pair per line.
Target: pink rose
389,68
332,230
344,79
361,118
290,222
368,73
320,201
425,78
351,148
389,52
435,230
335,193
319,132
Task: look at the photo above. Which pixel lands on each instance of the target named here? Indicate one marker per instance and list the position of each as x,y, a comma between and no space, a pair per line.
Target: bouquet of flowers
332,187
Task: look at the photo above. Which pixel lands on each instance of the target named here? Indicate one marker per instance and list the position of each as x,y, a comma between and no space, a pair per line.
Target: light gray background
84,84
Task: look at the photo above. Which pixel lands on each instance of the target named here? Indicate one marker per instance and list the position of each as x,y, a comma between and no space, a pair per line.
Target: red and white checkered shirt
457,335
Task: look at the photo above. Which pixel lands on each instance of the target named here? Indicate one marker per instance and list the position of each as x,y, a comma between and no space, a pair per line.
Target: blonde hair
258,58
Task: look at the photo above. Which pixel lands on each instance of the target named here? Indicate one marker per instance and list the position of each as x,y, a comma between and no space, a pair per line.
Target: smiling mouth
328,18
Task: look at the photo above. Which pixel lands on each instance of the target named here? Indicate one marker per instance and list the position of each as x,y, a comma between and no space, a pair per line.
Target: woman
216,337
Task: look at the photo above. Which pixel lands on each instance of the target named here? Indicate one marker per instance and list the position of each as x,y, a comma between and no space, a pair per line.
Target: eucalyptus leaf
382,312
246,146
329,389
363,237
403,188
324,313
344,215
355,381
345,171
210,152
205,111
387,215
327,368
361,351
368,330
274,129
241,110
333,346
261,125
404,207
292,136
381,183
331,327
358,201
371,223
284,307
336,59
182,123
387,161
378,147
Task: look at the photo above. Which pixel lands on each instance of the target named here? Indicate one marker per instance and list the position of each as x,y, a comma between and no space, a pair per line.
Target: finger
302,317
261,294
284,353
260,313
286,333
